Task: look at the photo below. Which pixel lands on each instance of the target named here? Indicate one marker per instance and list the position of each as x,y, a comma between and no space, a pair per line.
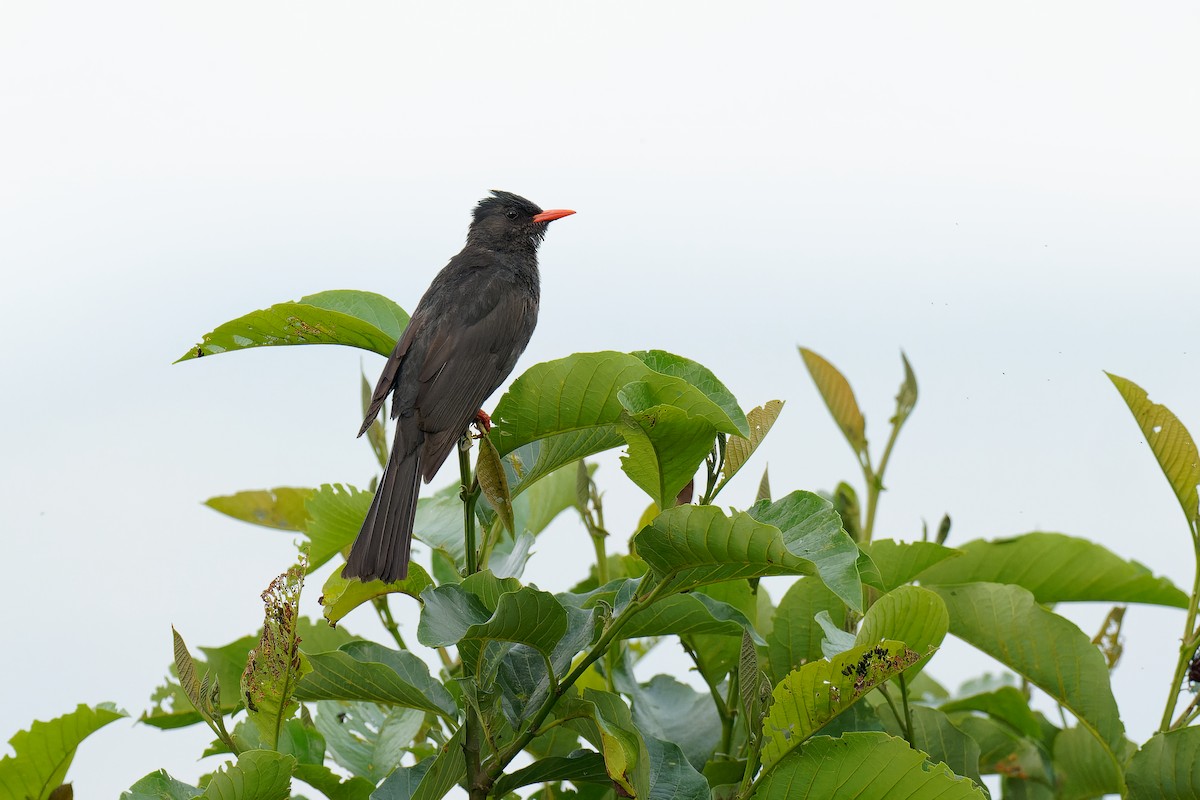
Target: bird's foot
482,422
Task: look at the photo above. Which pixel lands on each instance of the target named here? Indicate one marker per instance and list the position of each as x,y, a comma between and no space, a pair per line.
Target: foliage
825,694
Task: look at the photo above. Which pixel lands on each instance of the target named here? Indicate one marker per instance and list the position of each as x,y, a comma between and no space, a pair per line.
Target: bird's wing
387,378
468,356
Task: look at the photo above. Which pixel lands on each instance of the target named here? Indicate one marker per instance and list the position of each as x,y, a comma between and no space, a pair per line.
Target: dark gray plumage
463,340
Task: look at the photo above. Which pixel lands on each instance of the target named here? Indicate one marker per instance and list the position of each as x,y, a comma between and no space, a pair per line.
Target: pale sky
1008,192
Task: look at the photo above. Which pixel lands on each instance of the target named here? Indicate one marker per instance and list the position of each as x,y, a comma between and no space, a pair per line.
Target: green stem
874,480
908,723
727,725
530,729
389,622
469,495
1187,649
891,704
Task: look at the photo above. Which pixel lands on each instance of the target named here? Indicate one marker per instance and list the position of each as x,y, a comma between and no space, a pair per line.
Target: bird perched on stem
462,341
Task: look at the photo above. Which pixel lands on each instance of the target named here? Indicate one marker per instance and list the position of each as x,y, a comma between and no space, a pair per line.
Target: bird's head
507,221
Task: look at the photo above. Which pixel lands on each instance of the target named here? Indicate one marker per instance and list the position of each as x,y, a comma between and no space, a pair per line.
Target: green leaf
561,411
366,739
357,319
275,666
795,638
1172,445
612,731
901,562
671,775
738,449
839,399
403,782
808,698
812,529
160,786
336,514
45,751
449,769
281,507
586,766
494,483
369,671
700,377
690,546
1056,569
333,786
527,616
1084,770
673,712
692,613
524,682
906,398
258,775
301,740
340,596
1004,751
1007,623
173,709
1167,767
666,446
863,766
909,614
834,640
1006,704
539,503
935,735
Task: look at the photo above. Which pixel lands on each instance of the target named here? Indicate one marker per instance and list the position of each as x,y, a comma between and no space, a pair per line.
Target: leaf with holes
810,697
45,751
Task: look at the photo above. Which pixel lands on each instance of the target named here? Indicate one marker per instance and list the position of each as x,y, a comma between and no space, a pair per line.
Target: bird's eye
511,213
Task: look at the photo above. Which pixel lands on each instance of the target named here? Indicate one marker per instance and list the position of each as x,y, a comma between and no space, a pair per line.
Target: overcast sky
1008,192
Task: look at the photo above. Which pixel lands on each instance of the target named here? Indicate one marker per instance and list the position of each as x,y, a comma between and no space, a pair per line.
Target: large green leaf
674,712
1167,767
369,671
812,529
795,637
863,766
666,446
717,653
1171,444
839,399
561,411
691,613
1084,770
367,739
901,562
671,775
690,546
281,508
336,514
454,616
1006,704
340,316
810,697
332,785
909,614
935,735
258,775
1004,751
1007,623
45,751
160,786
700,377
340,596
582,766
610,728
1056,568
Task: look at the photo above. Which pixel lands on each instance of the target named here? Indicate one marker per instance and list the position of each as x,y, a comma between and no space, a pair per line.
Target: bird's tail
381,549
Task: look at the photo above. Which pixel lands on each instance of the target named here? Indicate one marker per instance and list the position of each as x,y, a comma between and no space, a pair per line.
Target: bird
463,340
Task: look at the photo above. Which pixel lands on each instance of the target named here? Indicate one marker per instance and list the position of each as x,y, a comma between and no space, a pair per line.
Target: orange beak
552,214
